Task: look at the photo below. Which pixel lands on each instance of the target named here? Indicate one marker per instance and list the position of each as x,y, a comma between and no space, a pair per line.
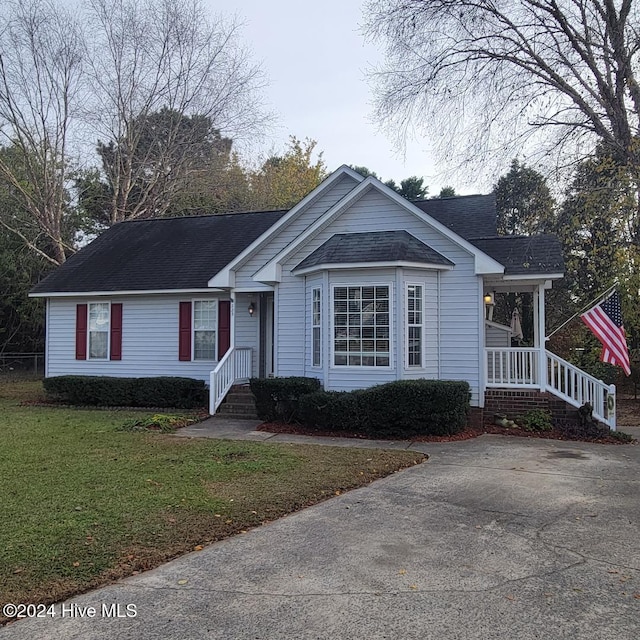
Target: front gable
372,206
238,273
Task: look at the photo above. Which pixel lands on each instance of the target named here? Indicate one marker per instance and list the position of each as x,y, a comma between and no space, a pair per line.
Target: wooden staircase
238,403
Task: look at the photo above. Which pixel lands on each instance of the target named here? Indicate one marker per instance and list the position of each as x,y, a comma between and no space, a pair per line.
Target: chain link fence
22,363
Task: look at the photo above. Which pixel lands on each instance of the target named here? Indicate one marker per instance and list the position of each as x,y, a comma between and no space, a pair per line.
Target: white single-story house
354,285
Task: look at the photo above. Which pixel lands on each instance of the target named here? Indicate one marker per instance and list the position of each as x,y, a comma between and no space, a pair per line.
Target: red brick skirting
516,402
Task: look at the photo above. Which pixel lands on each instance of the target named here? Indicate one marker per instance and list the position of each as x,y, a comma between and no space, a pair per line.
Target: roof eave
484,264
326,266
224,276
92,294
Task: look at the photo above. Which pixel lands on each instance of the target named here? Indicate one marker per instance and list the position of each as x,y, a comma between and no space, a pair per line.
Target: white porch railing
512,367
234,366
577,387
518,368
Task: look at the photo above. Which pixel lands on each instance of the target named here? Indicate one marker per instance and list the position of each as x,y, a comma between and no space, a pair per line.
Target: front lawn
83,503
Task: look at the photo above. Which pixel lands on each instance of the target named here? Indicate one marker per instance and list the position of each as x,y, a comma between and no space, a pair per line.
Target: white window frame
408,326
354,367
108,331
316,326
193,330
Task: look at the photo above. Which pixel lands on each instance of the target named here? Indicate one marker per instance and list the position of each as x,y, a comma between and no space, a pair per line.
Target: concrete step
232,409
240,398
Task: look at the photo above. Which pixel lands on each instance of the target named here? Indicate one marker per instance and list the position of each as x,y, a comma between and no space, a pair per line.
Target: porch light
252,309
488,298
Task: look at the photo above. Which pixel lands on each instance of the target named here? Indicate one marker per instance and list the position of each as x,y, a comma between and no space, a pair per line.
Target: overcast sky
315,59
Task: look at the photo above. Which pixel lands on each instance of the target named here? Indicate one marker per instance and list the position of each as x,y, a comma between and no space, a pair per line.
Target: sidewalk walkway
237,429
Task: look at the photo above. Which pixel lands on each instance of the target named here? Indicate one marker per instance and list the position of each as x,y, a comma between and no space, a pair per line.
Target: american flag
605,320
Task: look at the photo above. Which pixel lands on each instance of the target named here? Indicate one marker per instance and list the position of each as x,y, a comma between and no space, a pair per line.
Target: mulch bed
467,434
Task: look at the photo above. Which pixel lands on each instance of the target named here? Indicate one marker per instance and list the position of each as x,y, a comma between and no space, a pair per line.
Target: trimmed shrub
183,393
332,411
277,398
401,409
417,407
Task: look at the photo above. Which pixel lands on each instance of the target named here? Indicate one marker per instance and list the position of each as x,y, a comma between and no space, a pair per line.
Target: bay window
414,320
315,327
361,326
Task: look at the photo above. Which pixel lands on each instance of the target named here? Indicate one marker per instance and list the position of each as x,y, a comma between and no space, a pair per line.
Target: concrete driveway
491,538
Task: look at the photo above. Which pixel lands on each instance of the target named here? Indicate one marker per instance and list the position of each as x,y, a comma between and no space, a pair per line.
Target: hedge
182,393
277,398
404,409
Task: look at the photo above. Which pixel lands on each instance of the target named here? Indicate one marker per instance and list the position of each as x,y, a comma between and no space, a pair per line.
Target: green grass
83,502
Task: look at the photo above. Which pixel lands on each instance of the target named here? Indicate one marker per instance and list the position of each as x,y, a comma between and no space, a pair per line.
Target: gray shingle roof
468,216
375,246
524,254
158,254
184,253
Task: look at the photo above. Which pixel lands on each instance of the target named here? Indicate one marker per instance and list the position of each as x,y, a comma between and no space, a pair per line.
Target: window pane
204,315
361,326
204,345
316,346
414,325
99,316
98,344
316,320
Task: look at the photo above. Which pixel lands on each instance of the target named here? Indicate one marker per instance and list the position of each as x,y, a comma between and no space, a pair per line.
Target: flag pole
597,299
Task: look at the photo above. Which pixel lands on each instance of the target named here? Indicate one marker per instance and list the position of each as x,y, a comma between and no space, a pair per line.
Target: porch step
239,402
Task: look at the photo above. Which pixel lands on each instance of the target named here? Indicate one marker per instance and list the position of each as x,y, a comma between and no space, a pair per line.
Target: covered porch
535,368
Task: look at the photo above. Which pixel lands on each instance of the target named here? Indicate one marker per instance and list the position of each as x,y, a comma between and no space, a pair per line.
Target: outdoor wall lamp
488,298
252,309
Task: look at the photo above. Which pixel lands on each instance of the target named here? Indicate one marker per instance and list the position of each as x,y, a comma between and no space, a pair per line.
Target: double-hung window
361,326
415,318
99,324
316,313
205,321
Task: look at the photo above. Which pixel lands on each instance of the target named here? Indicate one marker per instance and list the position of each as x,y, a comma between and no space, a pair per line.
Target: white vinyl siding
150,331
288,233
247,326
452,323
497,336
99,322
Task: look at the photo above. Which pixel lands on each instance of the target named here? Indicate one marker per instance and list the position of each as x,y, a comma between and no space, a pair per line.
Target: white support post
539,332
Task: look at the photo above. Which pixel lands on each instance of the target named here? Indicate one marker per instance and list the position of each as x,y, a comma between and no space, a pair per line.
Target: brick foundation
515,402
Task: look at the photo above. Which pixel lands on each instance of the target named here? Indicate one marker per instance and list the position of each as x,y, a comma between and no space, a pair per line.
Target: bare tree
164,56
490,76
40,75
